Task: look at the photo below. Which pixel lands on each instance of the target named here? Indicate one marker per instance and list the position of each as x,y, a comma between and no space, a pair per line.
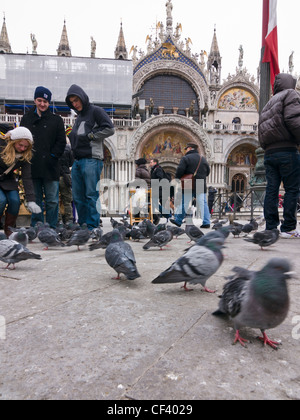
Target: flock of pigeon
251,299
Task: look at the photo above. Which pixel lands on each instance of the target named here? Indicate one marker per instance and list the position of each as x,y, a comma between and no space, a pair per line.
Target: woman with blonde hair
15,153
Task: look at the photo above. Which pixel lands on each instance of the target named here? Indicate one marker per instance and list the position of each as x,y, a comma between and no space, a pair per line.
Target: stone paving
69,331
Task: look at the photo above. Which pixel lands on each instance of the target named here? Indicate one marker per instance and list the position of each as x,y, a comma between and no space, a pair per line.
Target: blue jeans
282,167
201,203
12,199
86,174
49,192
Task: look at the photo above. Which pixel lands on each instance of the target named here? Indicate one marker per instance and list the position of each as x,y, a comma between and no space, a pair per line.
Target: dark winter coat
279,122
188,165
92,126
49,143
66,161
157,172
143,173
10,183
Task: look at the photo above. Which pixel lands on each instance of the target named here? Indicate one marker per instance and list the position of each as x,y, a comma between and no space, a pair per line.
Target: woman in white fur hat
15,153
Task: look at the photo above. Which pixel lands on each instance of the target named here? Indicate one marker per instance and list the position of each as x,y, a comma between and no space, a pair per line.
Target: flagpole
265,74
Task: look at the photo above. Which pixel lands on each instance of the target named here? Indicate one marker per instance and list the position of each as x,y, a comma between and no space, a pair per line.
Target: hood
76,90
284,81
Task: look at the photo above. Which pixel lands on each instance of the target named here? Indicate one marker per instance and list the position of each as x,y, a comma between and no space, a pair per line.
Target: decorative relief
218,145
238,99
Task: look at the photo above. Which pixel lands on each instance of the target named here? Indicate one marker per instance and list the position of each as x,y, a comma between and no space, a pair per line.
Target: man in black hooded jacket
92,126
279,136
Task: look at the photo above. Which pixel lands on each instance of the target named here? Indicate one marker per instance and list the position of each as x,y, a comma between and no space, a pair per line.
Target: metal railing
234,203
248,128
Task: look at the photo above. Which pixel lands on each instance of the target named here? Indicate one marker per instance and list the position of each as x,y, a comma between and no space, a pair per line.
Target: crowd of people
44,154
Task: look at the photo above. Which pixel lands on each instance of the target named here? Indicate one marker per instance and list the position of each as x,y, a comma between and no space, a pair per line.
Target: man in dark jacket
279,136
92,126
188,165
49,144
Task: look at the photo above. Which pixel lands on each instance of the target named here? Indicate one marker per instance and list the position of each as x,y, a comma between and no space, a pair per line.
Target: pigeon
19,235
136,234
119,255
2,236
49,237
96,233
197,265
12,252
192,231
102,243
264,238
31,233
80,237
159,240
257,299
177,231
236,229
249,227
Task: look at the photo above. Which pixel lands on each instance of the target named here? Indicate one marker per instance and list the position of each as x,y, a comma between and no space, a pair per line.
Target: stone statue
291,62
151,107
241,57
34,43
93,47
169,7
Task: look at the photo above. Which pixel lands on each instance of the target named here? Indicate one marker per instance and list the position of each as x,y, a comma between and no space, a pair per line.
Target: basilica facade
177,97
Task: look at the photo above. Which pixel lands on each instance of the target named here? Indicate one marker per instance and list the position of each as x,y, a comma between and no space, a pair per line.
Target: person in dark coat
279,136
211,198
49,144
91,128
157,173
15,153
188,165
142,171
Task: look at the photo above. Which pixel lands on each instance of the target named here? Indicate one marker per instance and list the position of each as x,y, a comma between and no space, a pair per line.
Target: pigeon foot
239,339
268,342
186,288
208,290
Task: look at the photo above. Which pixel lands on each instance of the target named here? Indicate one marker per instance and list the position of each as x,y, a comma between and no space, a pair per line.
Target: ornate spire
64,49
169,7
4,41
214,62
121,51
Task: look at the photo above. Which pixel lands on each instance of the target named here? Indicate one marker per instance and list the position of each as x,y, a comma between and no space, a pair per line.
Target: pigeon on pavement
257,299
49,237
192,231
12,252
159,240
264,238
119,255
80,237
19,235
197,265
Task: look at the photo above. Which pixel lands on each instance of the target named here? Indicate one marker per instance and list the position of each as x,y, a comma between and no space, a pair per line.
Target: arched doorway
240,167
239,183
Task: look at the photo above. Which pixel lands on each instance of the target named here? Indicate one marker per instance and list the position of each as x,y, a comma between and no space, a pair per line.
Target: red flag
270,39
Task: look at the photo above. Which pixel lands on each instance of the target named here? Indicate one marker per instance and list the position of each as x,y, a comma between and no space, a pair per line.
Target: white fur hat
21,133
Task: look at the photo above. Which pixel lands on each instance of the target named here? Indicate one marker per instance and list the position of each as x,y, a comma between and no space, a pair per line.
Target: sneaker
174,222
293,234
205,227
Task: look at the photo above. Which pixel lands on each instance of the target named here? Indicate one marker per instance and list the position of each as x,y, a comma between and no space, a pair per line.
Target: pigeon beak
290,274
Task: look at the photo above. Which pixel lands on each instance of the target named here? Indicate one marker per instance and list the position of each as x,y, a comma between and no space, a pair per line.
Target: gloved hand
33,207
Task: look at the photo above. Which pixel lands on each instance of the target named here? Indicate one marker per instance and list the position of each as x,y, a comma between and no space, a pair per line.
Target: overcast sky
238,22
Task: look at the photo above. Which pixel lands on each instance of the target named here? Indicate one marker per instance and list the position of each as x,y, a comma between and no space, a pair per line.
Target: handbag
8,170
191,177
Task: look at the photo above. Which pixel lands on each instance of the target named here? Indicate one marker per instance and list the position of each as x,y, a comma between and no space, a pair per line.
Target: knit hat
141,161
20,133
192,145
42,92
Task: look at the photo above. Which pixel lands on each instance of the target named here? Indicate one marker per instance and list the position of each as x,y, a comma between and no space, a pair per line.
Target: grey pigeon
177,231
136,234
257,299
49,237
79,237
119,255
197,265
12,252
265,238
2,236
102,243
192,231
249,227
159,240
97,233
236,229
19,235
31,233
